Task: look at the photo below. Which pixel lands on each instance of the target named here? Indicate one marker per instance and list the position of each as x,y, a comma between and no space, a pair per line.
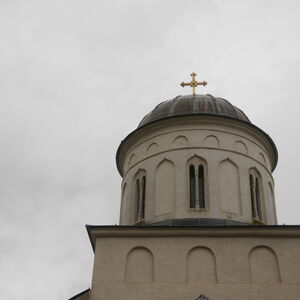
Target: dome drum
182,164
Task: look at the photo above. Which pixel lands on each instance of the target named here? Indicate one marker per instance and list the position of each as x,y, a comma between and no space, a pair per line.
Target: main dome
194,105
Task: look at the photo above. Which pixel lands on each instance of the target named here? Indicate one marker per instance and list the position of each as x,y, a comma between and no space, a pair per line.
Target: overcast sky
77,76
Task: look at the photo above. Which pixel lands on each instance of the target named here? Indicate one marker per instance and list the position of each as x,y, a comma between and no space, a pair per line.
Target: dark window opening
137,200
140,198
255,197
143,197
192,187
197,186
201,186
257,192
252,197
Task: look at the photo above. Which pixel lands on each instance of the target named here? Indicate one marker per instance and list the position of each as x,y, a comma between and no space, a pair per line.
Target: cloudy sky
77,76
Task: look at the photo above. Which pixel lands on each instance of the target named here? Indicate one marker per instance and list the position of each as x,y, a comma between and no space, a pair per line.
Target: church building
198,214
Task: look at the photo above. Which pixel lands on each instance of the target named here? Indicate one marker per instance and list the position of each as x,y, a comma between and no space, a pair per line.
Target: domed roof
194,105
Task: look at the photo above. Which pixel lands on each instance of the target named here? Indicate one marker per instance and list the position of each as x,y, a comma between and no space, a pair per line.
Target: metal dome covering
194,105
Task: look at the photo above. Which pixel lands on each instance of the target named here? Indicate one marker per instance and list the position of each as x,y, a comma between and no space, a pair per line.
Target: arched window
258,200
140,196
142,210
201,186
137,198
253,202
197,190
192,187
255,192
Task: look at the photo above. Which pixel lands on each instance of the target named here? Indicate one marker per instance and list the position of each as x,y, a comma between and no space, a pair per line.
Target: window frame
256,196
139,196
197,162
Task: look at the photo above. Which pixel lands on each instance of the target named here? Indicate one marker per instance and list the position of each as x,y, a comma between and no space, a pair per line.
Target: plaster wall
227,149
183,267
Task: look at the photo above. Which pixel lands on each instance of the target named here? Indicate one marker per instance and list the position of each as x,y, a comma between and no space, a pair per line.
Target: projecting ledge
282,231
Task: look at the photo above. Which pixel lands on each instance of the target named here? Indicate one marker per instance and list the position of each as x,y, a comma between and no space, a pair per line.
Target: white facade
228,150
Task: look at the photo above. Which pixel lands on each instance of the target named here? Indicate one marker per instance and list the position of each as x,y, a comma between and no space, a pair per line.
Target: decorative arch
132,160
241,147
196,157
255,171
263,265
139,265
201,265
164,187
262,159
197,182
152,148
229,184
211,141
180,141
139,195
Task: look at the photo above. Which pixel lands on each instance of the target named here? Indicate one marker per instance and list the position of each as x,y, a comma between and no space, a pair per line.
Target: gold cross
193,83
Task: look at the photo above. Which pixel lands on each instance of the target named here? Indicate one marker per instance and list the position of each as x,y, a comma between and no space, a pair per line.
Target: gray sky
77,76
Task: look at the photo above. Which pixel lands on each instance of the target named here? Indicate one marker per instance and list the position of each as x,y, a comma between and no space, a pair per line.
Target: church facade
198,214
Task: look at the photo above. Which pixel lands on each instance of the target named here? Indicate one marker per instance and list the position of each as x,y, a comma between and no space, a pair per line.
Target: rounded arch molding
263,265
152,149
165,183
139,265
229,186
241,147
201,265
211,141
180,141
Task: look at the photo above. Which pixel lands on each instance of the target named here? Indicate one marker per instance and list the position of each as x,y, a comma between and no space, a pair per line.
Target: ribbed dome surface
194,105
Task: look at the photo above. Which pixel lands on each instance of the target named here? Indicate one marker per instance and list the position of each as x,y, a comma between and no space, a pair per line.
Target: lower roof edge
104,231
80,294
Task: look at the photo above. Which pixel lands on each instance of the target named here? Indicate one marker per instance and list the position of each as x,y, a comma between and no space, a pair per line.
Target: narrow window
201,186
252,191
142,214
257,192
140,197
192,187
137,199
255,186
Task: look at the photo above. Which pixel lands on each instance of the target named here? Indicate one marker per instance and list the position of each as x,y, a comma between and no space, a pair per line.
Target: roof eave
193,115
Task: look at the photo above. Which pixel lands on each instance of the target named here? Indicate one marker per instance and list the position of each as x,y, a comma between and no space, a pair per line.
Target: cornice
273,231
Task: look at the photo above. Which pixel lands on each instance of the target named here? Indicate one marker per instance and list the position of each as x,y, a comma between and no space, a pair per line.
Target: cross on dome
194,83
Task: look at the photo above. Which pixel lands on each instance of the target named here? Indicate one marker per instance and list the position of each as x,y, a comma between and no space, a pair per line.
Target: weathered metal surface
194,104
